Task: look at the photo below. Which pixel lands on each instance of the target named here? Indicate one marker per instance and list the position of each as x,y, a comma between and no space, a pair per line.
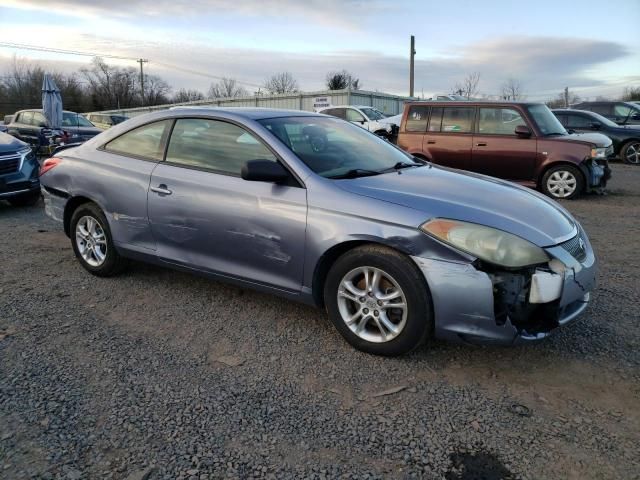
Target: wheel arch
581,168
329,257
72,204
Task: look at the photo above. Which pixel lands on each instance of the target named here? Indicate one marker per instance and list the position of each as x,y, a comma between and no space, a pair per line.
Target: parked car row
517,141
319,210
625,138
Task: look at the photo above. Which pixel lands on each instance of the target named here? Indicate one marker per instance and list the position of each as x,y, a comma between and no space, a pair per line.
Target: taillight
48,164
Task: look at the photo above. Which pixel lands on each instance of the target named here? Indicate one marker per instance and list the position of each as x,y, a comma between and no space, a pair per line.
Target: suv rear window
453,120
417,119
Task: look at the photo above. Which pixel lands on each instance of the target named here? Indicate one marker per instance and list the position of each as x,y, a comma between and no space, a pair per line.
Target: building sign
321,102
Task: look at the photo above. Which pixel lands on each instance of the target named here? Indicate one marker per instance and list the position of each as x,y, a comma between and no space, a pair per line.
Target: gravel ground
157,374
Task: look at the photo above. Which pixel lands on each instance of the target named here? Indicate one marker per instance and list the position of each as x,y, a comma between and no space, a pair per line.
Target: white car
367,117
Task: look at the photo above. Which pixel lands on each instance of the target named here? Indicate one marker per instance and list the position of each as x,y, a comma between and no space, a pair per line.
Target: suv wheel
378,300
25,200
631,153
563,182
92,242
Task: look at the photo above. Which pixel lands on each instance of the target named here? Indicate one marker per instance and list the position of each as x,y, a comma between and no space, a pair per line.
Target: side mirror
595,126
523,131
264,171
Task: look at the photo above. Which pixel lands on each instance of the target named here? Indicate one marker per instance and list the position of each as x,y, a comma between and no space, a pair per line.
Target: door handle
161,189
431,142
481,144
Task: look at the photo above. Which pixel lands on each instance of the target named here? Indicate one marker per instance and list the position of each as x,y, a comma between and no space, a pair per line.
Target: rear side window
417,119
457,120
214,145
146,141
499,121
354,115
38,119
601,109
25,117
578,121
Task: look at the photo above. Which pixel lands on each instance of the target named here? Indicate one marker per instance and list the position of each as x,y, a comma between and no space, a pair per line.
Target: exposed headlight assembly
598,153
488,244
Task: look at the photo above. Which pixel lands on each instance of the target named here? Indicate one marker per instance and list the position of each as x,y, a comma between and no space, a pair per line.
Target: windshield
70,119
547,122
373,114
334,148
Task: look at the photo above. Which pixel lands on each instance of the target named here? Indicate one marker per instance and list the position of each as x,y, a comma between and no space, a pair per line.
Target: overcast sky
591,46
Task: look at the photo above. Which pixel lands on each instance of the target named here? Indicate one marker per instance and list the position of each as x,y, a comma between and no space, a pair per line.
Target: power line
37,48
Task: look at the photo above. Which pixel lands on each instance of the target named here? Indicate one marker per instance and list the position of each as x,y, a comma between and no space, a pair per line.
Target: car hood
597,139
447,193
10,144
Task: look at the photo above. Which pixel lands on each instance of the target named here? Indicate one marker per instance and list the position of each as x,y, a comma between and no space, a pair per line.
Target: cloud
312,10
544,65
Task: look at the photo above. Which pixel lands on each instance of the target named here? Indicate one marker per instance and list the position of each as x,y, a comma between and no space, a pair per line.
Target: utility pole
412,54
566,97
141,61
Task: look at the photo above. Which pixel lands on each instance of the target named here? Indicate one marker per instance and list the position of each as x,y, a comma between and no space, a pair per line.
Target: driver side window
214,145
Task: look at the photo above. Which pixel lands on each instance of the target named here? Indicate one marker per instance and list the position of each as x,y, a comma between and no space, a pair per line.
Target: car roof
253,113
39,110
468,103
572,110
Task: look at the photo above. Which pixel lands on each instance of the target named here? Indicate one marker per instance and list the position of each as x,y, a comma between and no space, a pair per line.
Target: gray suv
623,113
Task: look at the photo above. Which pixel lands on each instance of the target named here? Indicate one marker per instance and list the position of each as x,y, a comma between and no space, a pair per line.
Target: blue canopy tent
51,103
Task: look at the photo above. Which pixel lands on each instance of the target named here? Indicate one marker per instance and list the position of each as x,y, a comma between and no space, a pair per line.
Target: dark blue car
19,182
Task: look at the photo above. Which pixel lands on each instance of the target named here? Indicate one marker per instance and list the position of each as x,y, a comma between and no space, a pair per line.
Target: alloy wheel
632,154
91,241
372,304
562,184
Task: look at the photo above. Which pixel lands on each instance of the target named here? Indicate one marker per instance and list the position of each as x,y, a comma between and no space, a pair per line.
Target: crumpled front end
484,304
597,170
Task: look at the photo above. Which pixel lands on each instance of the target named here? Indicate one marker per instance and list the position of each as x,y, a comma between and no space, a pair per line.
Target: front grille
9,164
577,247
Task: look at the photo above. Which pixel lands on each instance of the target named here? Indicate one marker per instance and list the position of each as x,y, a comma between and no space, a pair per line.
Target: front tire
563,182
379,301
92,242
631,153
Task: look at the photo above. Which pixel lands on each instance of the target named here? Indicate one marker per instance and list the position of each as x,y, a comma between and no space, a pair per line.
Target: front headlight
486,243
598,153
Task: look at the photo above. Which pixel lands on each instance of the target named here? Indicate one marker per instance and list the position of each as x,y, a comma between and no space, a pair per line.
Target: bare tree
512,90
227,88
156,90
282,82
560,100
187,95
111,87
340,80
630,94
469,86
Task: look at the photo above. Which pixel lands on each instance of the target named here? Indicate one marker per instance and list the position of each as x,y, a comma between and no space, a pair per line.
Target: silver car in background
318,210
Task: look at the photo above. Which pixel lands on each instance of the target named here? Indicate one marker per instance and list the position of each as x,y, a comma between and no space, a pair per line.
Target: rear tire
378,300
564,182
630,153
92,242
25,200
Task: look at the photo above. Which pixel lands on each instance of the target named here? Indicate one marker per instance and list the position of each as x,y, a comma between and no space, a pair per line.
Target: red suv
522,142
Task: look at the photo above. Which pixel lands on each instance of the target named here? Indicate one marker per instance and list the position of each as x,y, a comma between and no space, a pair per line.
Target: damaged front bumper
597,173
484,305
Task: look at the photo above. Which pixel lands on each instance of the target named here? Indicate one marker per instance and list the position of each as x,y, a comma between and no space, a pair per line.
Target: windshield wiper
401,165
553,134
355,173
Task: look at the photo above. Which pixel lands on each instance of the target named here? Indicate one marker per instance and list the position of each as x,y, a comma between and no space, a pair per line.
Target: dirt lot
158,374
